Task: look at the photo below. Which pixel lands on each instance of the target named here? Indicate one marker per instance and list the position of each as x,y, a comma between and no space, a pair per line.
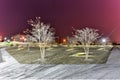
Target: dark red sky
62,15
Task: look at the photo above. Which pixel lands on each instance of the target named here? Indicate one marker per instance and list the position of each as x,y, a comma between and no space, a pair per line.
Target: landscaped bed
60,55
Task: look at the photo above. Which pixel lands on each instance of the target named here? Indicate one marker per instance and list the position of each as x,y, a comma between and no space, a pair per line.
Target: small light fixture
64,40
104,40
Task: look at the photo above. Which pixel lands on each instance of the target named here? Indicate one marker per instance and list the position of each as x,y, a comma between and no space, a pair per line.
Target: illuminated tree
86,36
71,41
42,34
29,39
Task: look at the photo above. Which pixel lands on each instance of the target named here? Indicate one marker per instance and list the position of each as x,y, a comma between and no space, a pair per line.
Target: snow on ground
11,69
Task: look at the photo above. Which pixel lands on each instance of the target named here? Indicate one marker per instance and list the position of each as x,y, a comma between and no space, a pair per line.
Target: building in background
19,38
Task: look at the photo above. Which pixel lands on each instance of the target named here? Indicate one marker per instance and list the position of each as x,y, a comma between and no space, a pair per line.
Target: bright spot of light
104,40
8,40
5,38
64,40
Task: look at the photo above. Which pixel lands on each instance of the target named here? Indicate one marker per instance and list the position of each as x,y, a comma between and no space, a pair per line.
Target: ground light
104,40
5,38
64,40
8,40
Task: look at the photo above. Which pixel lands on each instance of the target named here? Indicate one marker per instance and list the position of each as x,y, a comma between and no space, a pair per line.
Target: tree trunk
42,52
87,53
86,49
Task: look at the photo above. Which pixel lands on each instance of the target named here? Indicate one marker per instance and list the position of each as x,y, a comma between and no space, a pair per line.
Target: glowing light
0,38
8,40
104,40
64,40
5,38
25,39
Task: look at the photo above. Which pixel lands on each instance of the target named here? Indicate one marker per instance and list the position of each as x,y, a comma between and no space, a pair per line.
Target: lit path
114,57
11,69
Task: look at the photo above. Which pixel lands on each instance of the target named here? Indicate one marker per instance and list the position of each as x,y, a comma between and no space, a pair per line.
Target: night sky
62,15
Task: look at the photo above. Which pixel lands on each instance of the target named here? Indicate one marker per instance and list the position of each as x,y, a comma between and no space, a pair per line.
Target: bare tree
29,39
71,41
86,36
41,33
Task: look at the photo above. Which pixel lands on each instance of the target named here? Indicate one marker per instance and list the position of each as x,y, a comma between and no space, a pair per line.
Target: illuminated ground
60,55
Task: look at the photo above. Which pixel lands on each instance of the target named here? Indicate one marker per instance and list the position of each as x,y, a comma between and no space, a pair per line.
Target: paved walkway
7,59
114,57
11,69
